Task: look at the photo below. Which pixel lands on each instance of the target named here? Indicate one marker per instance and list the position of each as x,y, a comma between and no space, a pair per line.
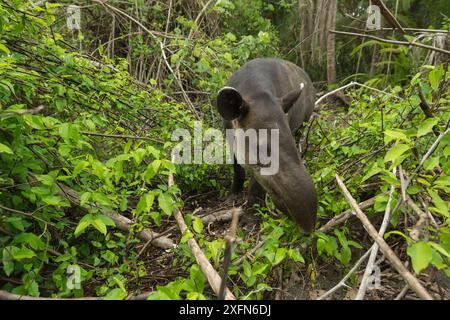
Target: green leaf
99,225
394,135
5,149
4,48
435,77
421,255
426,126
437,200
84,198
23,253
116,294
395,152
106,220
152,169
82,225
431,163
280,254
53,200
79,167
439,248
145,203
7,259
165,202
197,224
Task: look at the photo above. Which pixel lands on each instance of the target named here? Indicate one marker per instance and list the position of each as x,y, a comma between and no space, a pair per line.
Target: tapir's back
278,77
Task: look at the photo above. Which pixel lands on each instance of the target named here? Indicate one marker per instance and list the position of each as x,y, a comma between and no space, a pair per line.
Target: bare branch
412,281
404,43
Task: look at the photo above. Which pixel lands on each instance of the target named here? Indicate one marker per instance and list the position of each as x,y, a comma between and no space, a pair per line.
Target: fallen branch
213,277
218,216
230,238
374,250
344,216
122,223
405,43
412,281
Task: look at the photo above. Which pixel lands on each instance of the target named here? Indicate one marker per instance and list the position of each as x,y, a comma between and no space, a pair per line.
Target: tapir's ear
288,100
230,103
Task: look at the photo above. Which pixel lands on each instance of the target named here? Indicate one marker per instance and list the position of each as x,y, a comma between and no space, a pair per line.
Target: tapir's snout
293,192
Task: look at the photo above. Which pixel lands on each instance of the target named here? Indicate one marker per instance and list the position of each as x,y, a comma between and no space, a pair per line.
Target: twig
27,214
249,253
230,238
353,83
342,217
22,112
402,293
120,136
213,277
342,282
390,255
405,43
374,250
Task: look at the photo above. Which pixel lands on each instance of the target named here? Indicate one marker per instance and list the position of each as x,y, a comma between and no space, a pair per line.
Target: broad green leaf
394,135
23,253
5,149
55,200
84,198
99,225
106,220
165,203
197,224
435,77
145,203
437,200
439,248
116,294
82,225
421,255
79,167
431,163
395,152
152,169
4,48
426,126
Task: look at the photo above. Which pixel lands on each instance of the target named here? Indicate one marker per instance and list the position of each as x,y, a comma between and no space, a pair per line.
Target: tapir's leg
239,178
256,193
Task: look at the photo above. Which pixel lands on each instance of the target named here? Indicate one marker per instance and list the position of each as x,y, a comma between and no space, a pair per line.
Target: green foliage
72,141
380,132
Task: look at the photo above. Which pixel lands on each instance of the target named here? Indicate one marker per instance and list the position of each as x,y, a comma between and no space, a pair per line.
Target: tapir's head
282,173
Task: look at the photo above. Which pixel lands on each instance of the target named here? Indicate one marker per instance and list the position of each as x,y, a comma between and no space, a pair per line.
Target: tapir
268,93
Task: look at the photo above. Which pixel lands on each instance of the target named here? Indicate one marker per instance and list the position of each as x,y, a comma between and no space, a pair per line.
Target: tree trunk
331,43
